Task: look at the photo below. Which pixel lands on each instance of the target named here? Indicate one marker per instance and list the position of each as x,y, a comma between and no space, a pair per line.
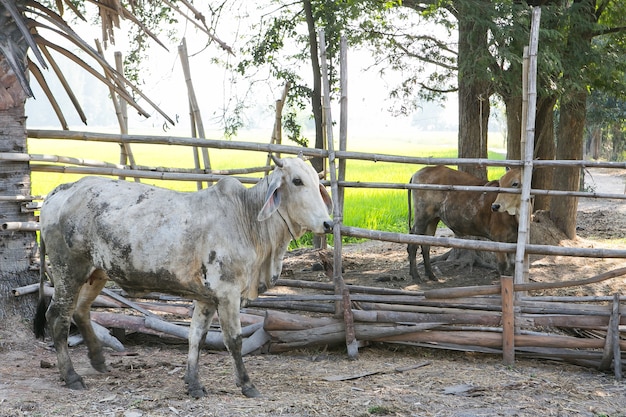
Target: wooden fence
484,318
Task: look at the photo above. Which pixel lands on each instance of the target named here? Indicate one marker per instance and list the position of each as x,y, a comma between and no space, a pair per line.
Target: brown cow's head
506,202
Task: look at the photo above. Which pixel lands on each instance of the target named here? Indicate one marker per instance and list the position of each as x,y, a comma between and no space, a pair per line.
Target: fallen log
354,289
291,305
335,333
402,317
425,309
280,320
103,334
26,289
494,340
255,342
562,321
133,324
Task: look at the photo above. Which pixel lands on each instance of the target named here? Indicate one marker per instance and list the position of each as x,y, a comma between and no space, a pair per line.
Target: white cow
219,246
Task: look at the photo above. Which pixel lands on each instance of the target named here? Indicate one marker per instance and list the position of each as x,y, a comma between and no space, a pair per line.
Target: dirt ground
386,379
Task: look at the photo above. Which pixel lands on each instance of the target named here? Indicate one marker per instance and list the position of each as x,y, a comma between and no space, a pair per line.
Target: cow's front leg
200,323
228,311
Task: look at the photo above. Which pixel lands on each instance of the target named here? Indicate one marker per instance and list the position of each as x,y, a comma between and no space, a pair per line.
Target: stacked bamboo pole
457,321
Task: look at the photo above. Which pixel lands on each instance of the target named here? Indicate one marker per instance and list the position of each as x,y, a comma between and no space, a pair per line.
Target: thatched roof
26,24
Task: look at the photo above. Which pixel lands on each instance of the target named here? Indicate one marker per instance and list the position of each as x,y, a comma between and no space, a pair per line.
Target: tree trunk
474,92
573,114
316,101
316,98
617,142
544,150
595,143
569,146
17,249
513,107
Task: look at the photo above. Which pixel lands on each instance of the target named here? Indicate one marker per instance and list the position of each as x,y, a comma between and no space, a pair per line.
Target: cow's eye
298,182
515,184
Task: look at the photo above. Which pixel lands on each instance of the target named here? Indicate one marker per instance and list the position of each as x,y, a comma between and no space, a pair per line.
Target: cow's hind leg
59,315
412,251
82,318
429,230
506,263
228,311
200,323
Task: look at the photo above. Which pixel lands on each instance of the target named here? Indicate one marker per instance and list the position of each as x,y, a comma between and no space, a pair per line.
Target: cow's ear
327,200
272,197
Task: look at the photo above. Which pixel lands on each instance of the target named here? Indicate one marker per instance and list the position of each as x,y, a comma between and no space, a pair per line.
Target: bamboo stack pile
573,329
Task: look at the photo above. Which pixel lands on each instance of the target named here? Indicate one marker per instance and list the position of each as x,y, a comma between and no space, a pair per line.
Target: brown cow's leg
231,330
200,323
82,318
506,263
412,251
430,230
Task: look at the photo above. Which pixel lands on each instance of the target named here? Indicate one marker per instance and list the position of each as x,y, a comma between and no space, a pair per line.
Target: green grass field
377,209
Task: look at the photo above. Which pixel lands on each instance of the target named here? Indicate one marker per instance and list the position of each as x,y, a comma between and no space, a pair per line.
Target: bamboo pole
277,131
193,102
494,289
480,244
126,154
313,152
351,342
523,236
20,226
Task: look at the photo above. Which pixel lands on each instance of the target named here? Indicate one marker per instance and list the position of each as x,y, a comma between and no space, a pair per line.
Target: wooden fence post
508,320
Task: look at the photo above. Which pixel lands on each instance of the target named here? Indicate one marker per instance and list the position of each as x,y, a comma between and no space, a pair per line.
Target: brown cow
466,213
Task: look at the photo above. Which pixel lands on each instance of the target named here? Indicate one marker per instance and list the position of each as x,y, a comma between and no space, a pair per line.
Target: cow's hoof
76,383
100,366
250,392
197,392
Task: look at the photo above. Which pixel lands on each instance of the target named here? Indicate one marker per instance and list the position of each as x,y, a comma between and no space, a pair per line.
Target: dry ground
436,383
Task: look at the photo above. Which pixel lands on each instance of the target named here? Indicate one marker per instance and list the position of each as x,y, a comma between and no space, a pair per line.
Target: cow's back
135,230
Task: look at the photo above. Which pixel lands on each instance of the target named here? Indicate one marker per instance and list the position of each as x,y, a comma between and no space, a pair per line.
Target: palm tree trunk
16,248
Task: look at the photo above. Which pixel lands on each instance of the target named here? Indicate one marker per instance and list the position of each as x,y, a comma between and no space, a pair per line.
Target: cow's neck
277,230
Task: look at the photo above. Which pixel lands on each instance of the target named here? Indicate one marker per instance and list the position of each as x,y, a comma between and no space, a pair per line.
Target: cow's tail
409,201
39,323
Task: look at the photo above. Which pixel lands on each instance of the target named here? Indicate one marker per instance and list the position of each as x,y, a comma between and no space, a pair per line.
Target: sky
164,84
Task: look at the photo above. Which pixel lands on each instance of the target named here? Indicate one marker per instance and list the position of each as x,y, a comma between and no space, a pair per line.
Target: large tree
592,56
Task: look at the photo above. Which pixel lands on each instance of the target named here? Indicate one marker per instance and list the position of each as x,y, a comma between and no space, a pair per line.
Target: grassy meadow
377,209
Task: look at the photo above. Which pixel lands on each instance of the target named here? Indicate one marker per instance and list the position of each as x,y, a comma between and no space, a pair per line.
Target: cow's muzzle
328,227
495,207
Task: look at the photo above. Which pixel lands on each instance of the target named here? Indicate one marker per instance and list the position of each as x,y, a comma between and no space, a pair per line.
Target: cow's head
296,194
506,202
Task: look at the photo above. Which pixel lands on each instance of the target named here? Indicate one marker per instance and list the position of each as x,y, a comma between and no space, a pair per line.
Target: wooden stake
614,324
352,344
508,320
